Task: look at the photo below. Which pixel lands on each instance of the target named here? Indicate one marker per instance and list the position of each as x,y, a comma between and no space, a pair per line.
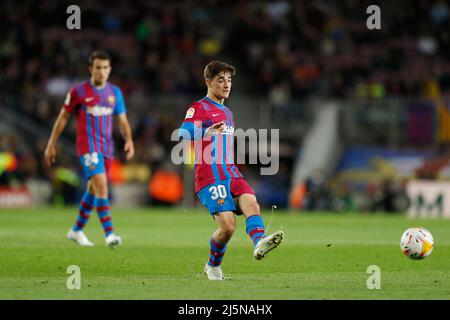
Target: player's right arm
196,124
69,107
58,127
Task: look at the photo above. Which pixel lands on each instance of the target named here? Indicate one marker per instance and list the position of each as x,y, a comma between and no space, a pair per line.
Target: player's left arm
125,130
124,125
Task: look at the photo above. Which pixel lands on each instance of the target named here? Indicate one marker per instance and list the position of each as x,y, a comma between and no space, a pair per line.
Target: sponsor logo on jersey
98,111
228,130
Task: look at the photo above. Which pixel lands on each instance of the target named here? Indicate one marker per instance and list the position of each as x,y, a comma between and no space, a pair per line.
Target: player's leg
249,207
217,198
246,204
87,203
100,185
255,227
254,224
226,223
97,167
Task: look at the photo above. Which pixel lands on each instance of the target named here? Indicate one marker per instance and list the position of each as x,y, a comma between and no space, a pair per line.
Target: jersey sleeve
120,102
72,101
195,113
195,123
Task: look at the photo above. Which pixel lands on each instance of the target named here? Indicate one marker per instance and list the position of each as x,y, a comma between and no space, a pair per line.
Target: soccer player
94,102
219,185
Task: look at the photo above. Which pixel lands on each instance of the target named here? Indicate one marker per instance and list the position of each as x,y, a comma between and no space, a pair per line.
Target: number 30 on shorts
218,191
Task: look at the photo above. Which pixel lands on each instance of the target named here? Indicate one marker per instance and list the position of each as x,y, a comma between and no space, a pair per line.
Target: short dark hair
99,54
214,68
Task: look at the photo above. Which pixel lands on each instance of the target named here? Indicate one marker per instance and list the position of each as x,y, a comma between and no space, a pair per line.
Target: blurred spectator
165,187
317,193
384,200
390,197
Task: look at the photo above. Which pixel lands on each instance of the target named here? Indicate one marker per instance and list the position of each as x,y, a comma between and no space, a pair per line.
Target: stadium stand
392,85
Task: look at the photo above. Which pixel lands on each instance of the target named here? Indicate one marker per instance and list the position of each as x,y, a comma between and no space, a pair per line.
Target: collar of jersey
95,88
213,102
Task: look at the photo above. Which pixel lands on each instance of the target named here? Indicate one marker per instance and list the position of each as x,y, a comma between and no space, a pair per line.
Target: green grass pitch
323,256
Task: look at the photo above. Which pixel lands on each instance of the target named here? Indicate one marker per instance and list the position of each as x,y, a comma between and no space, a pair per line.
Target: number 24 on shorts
91,159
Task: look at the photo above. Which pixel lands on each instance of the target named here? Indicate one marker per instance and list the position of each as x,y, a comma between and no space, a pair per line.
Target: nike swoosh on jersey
215,114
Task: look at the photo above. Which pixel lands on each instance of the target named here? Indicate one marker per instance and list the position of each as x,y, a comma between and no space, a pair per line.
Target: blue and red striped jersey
95,109
214,155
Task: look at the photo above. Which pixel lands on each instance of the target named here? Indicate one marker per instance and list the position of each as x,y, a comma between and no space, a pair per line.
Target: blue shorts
217,197
94,163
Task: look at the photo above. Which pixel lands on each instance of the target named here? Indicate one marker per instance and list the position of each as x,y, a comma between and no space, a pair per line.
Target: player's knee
228,228
255,207
252,207
100,187
90,187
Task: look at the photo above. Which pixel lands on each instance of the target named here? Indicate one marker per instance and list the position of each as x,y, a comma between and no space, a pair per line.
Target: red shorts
240,186
108,164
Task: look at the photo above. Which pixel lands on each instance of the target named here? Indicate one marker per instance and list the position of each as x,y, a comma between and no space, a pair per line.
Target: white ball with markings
417,243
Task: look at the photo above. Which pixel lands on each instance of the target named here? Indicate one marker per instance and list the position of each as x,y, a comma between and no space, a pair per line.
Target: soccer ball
417,243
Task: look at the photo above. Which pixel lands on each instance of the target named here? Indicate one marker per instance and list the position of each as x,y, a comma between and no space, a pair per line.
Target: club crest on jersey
111,99
190,113
221,201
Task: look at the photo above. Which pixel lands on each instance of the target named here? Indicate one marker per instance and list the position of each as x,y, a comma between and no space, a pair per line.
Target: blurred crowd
302,48
299,47
283,50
